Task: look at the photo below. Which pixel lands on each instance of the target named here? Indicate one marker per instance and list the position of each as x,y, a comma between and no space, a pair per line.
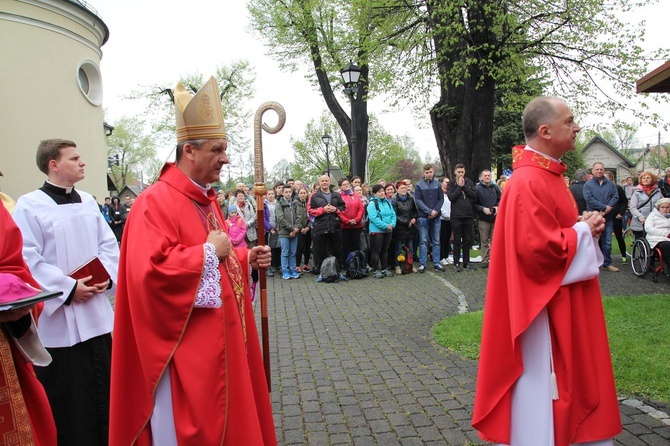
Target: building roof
135,190
598,139
81,4
658,81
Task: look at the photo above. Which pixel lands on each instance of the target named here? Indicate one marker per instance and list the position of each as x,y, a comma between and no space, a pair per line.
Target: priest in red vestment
25,413
186,361
545,373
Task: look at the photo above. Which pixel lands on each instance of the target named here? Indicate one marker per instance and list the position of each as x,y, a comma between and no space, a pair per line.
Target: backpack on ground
356,265
407,262
330,270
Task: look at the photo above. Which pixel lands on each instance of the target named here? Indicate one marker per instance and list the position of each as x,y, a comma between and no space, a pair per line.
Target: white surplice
57,239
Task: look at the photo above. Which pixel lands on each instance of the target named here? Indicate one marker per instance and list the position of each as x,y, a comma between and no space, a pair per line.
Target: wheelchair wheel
640,257
629,240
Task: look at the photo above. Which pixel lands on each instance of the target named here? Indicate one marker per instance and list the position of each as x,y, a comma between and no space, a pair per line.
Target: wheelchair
645,260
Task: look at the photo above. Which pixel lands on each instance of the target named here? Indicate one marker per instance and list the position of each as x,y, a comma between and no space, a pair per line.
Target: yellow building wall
42,46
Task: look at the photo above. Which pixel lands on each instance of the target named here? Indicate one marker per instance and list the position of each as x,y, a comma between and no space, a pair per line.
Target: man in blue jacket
601,196
428,197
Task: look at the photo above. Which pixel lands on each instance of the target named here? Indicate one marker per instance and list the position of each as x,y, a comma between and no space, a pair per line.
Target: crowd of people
390,222
434,220
627,205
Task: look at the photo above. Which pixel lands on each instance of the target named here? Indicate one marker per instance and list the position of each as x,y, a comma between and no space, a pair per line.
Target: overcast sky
154,42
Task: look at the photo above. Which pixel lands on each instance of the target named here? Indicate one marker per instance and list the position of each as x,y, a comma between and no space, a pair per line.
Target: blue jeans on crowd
288,248
605,243
407,242
429,232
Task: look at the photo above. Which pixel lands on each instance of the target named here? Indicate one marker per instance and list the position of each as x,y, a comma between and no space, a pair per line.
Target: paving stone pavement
354,362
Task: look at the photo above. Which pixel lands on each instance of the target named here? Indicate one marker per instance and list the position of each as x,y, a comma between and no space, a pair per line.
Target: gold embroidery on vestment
12,395
541,160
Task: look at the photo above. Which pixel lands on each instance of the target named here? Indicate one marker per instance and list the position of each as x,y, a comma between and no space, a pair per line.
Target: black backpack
356,265
330,270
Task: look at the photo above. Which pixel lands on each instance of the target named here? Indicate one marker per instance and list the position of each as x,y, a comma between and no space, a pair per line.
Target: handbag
273,239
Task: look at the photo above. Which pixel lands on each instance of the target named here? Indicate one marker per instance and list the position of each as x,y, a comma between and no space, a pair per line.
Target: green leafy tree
280,172
135,151
384,154
573,160
323,35
236,86
472,49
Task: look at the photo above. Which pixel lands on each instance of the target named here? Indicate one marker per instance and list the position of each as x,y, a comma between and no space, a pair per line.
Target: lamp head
326,139
350,74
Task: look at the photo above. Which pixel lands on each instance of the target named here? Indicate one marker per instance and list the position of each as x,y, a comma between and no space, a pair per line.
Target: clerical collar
205,189
63,190
543,154
60,194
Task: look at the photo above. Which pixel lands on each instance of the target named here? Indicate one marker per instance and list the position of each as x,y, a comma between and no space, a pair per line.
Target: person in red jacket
352,219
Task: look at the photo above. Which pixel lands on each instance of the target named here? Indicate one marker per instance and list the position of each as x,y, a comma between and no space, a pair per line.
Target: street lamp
350,75
326,141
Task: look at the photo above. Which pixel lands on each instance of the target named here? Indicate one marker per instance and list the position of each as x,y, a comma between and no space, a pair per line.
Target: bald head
549,126
324,183
541,110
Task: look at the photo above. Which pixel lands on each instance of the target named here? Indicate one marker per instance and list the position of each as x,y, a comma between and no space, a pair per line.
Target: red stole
532,248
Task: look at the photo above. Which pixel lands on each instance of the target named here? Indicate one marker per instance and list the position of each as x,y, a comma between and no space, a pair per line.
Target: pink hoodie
237,229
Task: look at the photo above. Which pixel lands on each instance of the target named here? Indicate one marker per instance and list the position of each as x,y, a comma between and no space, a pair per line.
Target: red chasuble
533,246
213,356
25,413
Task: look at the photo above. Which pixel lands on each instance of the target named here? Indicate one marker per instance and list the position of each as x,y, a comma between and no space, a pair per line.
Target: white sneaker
449,261
444,262
477,259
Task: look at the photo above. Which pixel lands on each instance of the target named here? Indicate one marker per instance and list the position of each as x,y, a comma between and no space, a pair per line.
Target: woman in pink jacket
351,220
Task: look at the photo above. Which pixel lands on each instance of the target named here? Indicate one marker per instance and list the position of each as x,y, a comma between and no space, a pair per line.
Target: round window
90,82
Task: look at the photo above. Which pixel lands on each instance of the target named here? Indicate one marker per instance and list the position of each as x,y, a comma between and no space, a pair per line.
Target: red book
93,267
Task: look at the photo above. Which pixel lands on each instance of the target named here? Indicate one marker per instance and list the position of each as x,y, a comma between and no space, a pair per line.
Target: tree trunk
463,117
463,126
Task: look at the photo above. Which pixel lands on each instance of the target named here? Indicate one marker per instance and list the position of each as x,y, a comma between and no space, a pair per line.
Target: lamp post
326,141
350,75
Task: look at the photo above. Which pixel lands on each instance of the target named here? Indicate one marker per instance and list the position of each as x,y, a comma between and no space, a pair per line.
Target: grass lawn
639,335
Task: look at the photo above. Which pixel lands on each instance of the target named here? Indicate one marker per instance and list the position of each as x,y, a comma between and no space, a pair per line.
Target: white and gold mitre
199,116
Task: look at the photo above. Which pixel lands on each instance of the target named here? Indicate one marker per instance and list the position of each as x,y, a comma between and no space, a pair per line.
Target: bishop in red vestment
184,325
536,242
25,413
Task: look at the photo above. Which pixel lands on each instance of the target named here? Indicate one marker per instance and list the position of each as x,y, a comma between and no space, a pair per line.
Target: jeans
605,243
429,232
445,238
288,247
409,242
